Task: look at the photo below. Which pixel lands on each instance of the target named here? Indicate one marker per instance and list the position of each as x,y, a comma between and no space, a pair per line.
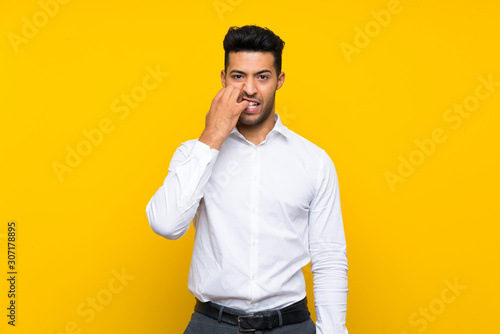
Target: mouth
252,107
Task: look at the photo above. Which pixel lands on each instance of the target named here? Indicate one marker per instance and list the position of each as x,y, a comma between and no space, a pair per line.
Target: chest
271,179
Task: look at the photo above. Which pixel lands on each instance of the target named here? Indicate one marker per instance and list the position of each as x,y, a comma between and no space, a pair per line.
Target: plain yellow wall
403,95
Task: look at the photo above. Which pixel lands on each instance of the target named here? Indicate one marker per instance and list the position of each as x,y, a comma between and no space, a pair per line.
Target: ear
281,80
223,78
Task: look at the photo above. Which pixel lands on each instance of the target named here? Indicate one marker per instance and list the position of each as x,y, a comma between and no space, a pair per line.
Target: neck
256,134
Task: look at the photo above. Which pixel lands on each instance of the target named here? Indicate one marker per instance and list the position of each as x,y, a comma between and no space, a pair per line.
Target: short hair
254,39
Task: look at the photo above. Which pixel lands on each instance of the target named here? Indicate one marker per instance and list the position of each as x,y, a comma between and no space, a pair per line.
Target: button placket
254,220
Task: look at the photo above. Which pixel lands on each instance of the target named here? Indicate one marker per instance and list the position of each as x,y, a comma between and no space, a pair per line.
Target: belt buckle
244,330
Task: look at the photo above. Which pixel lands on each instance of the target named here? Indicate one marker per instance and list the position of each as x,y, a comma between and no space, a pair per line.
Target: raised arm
174,205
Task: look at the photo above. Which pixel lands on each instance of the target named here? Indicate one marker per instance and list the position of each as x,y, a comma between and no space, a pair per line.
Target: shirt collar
278,127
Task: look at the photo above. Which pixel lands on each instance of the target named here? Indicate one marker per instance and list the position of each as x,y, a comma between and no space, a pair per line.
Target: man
264,202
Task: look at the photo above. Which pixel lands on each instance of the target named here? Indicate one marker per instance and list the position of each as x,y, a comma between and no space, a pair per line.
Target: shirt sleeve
174,205
327,247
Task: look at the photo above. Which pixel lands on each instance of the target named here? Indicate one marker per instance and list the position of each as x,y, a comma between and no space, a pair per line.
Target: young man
264,202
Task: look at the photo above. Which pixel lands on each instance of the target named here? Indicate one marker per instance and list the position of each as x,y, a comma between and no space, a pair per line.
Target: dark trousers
201,324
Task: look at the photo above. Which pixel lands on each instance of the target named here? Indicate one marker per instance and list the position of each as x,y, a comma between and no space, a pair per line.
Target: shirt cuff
203,151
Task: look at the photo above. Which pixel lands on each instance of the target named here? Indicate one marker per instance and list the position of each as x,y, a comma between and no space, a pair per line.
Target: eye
237,76
263,77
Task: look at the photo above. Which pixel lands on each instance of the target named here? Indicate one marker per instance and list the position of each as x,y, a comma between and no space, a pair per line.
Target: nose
249,87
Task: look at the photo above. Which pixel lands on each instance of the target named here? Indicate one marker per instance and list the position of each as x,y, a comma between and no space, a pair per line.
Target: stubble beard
263,115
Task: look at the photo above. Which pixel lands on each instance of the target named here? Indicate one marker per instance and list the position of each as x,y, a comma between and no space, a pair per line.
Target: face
254,72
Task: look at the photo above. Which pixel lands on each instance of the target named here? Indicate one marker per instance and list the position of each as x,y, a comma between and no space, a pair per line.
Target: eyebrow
241,72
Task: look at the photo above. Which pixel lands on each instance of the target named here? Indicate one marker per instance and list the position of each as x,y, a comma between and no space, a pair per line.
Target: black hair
254,39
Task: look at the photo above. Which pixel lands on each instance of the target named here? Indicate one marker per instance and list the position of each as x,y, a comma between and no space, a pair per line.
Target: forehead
248,61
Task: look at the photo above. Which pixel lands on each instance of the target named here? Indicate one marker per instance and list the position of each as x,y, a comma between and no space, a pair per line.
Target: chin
247,121
251,119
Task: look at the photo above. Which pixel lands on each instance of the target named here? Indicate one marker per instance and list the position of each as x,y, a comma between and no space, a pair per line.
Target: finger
240,95
218,96
243,105
227,92
241,92
235,94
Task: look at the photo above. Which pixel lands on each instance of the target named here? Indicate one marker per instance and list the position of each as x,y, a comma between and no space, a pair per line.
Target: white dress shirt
260,213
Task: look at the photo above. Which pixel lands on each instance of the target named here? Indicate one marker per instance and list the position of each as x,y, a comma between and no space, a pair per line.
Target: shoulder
307,148
319,163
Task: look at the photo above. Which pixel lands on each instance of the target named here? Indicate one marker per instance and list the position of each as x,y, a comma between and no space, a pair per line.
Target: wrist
212,140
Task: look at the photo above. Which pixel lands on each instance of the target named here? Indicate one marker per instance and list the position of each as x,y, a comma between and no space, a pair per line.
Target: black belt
292,314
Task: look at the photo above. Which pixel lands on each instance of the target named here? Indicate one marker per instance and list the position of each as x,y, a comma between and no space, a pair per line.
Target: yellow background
365,110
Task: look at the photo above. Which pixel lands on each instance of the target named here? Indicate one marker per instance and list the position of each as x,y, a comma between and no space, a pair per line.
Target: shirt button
254,242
